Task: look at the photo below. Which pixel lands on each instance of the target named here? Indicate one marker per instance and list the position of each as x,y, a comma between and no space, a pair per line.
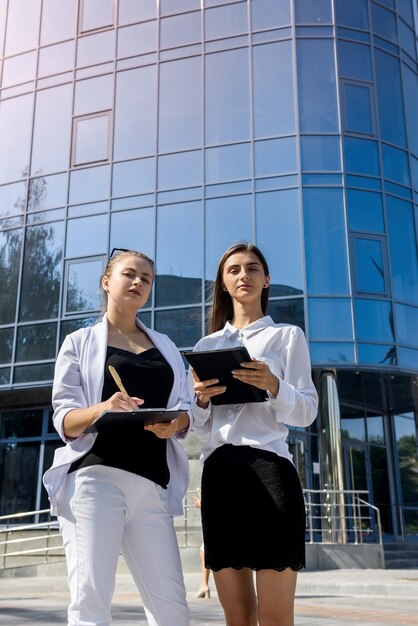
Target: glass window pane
361,156
353,429
325,241
275,156
96,14
228,220
56,59
22,26
12,199
15,424
377,354
93,94
308,12
133,177
227,163
82,286
375,430
227,97
135,113
180,101
183,326
405,10
133,230
270,13
15,132
18,476
408,358
33,373
403,249
91,139
395,164
278,212
10,251
52,131
320,154
69,326
370,271
134,11
289,311
317,86
411,106
330,319
59,20
180,30
374,320
358,109
41,271
89,184
407,325
179,280
354,13
48,192
19,69
355,60
406,442
35,343
137,39
180,170
176,6
365,210
331,353
95,49
80,241
384,22
6,344
274,107
5,375
226,21
389,98
407,39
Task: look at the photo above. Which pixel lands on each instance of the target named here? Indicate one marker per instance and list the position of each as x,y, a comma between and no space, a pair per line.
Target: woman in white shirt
118,489
253,513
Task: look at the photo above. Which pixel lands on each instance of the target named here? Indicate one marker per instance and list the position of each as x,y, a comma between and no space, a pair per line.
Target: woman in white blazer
117,490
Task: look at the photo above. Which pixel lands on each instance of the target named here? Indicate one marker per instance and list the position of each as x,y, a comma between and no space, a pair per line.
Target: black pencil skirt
253,512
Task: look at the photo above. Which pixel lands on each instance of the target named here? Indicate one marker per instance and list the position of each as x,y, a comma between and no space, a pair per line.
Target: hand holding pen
133,401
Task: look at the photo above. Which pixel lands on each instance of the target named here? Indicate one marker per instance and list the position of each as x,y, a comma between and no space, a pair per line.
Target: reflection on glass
407,324
226,21
228,220
408,358
410,84
384,23
374,320
33,373
405,10
269,13
274,110
97,48
395,164
180,170
19,475
370,271
375,431
83,293
22,28
355,60
96,14
176,6
330,319
133,230
93,94
6,344
15,130
41,272
278,212
47,192
227,97
10,251
49,450
135,113
389,98
325,241
36,343
287,311
69,326
361,156
180,101
56,59
406,440
59,20
19,69
332,352
137,39
353,429
5,375
354,14
320,154
377,354
275,156
180,267
308,12
91,139
227,163
365,210
407,39
79,236
133,177
183,326
52,130
145,317
89,184
358,111
317,86
403,250
131,11
12,199
180,30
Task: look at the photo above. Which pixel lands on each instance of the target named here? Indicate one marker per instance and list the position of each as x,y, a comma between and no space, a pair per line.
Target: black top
148,376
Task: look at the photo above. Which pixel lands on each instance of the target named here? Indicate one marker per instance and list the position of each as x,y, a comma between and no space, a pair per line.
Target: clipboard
121,418
219,364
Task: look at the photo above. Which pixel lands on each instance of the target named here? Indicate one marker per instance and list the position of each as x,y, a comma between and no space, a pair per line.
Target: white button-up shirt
261,425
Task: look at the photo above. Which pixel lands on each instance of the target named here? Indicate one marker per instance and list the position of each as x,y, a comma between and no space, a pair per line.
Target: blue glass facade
179,127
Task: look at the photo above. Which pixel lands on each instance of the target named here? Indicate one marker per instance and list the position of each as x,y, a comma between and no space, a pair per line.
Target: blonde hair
114,260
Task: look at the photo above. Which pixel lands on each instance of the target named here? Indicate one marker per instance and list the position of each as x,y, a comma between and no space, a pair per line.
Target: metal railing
332,516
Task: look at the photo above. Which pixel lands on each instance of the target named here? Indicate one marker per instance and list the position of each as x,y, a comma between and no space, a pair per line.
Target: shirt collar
249,330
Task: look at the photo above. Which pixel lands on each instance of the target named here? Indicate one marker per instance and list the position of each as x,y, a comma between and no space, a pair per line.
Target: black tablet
219,364
146,416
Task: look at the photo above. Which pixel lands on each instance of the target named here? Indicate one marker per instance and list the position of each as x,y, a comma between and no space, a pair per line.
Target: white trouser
102,512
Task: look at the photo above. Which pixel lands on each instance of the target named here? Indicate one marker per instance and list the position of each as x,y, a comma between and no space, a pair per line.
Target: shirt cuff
285,400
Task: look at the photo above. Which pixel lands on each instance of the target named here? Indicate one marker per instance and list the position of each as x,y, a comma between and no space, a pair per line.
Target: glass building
178,127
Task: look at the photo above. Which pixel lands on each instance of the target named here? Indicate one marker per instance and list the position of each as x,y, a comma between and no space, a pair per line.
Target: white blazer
78,383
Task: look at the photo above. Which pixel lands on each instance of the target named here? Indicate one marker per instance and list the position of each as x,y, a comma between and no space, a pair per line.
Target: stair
401,555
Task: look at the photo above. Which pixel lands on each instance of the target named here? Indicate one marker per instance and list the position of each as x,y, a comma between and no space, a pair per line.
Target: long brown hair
222,308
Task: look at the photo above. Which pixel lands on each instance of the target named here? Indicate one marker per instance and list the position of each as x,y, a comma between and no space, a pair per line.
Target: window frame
82,118
357,292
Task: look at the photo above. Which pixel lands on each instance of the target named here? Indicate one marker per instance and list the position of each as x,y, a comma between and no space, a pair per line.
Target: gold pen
117,379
